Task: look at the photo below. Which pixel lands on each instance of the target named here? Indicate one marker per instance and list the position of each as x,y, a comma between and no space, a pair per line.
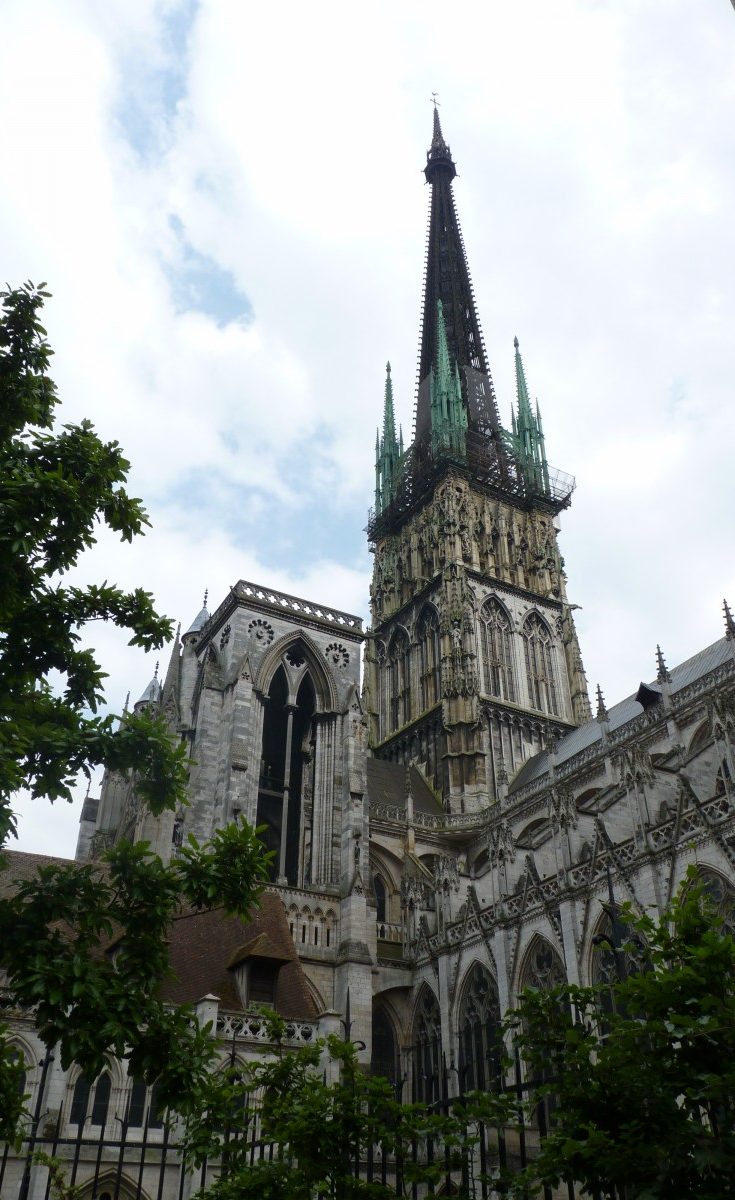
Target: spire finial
126,705
662,672
206,597
729,622
601,709
155,670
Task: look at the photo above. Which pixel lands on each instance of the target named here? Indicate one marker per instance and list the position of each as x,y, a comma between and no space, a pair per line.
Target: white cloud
595,191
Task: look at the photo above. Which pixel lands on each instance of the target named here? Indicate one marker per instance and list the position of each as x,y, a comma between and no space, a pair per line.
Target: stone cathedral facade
450,829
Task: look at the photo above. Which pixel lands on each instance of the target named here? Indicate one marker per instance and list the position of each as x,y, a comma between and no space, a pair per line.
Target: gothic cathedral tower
473,663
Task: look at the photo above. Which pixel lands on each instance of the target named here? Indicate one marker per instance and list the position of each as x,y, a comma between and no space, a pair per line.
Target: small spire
126,705
206,597
601,709
662,672
729,622
155,670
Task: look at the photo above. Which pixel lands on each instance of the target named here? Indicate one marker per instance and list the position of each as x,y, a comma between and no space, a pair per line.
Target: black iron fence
117,1162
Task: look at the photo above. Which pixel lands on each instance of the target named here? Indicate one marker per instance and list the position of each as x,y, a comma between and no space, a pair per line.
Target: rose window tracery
337,655
261,631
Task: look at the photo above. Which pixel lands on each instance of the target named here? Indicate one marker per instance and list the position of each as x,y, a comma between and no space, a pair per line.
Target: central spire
447,282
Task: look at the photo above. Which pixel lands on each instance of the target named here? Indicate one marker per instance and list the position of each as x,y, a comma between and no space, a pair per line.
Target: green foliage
56,489
320,1129
645,1094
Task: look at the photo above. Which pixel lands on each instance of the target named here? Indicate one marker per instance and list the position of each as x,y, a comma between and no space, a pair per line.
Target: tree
57,486
282,1131
643,1079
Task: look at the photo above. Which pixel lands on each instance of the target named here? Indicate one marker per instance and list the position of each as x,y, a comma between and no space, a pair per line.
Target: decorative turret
729,622
662,671
152,693
200,619
388,452
602,714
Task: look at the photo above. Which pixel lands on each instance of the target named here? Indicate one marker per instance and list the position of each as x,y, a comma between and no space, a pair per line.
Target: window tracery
721,895
540,657
479,1023
497,651
427,635
543,969
427,1047
399,676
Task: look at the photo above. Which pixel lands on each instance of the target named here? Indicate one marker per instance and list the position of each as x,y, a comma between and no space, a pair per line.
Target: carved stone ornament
337,655
224,639
446,875
501,845
261,632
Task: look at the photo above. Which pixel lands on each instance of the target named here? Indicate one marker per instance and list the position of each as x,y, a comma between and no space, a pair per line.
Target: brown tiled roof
387,785
22,867
202,944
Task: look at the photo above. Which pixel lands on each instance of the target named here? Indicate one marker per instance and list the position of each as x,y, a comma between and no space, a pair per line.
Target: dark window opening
380,899
101,1101
280,779
79,1101
384,1059
262,976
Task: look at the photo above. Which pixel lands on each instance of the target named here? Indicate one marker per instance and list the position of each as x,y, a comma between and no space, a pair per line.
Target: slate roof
202,945
387,785
620,714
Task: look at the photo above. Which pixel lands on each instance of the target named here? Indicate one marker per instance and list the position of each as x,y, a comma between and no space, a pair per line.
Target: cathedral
450,821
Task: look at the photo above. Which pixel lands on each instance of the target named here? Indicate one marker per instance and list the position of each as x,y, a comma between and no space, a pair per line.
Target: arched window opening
543,969
80,1101
427,1049
136,1107
381,899
399,678
479,1038
384,1059
101,1101
17,1056
540,665
497,652
286,773
155,1111
427,634
721,895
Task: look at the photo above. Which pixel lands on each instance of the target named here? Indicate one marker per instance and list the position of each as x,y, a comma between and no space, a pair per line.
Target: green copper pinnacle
447,410
527,437
388,452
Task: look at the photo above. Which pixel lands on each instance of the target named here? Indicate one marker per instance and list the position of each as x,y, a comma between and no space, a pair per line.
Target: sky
227,202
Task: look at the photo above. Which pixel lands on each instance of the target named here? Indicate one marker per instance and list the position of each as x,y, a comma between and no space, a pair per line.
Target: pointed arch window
540,655
543,968
427,1049
384,1060
427,635
381,899
721,895
399,676
497,652
479,1038
286,769
101,1102
79,1101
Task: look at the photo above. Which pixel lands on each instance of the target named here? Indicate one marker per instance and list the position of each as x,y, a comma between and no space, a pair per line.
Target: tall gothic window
399,675
427,635
497,651
426,1049
384,1059
479,1037
540,666
285,762
381,899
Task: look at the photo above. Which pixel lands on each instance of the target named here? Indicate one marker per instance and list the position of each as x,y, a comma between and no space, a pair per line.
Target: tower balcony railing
486,460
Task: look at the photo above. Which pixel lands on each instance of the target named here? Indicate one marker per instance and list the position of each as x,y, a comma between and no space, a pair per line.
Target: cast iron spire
448,280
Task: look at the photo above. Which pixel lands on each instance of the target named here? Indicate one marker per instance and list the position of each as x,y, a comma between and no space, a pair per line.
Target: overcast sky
226,200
